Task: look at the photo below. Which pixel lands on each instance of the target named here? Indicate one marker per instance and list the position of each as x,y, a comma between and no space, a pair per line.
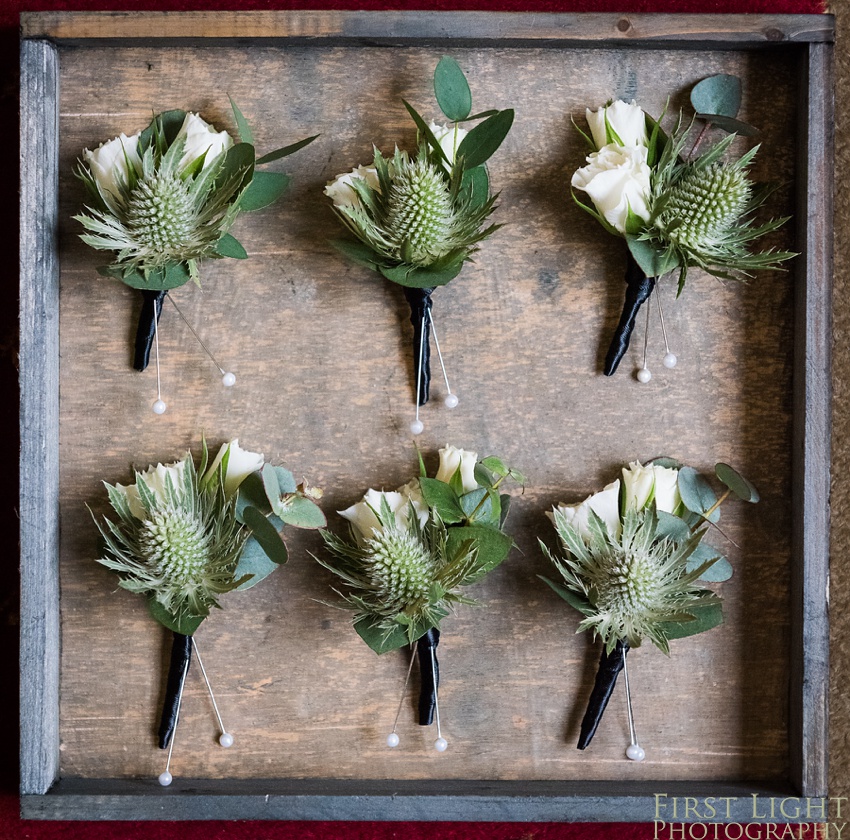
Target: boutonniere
675,208
411,554
418,216
163,200
185,536
632,566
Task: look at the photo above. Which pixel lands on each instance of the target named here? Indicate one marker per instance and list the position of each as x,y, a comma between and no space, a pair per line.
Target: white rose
627,120
605,504
363,515
450,459
240,464
108,165
651,483
155,479
616,179
342,193
201,137
449,137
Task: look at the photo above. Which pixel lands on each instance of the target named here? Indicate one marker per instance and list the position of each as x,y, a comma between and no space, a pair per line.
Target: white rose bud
605,504
449,137
240,464
617,180
201,137
450,459
627,120
108,164
651,482
363,515
342,193
155,479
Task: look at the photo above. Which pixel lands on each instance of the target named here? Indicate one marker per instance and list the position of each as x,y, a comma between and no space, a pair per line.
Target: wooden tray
737,711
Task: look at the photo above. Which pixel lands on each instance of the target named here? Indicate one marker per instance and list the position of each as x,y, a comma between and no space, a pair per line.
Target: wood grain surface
321,352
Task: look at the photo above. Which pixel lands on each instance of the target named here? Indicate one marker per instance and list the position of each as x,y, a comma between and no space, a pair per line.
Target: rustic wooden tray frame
44,794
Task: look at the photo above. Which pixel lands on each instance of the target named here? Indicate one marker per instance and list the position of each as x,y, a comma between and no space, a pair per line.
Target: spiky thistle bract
630,586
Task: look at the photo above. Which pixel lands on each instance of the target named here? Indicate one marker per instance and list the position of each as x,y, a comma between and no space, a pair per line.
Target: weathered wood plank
39,383
399,800
813,425
500,29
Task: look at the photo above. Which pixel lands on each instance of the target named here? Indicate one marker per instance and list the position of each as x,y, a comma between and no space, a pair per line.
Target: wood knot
624,24
774,34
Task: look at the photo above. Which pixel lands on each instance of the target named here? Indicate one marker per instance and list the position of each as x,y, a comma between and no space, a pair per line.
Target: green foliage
452,90
697,495
739,485
717,95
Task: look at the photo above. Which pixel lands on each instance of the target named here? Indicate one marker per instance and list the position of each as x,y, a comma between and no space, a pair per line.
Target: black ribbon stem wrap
638,289
429,670
610,665
181,655
420,304
146,331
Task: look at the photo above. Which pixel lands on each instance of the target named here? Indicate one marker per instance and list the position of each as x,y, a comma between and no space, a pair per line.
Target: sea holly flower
633,568
413,552
676,209
184,535
417,216
163,200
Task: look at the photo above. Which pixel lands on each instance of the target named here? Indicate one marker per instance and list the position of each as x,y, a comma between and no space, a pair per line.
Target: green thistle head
630,587
404,579
164,197
415,212
176,541
704,206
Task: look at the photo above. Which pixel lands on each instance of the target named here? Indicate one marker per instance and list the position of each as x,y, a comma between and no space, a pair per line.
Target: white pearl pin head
159,407
670,360
635,752
165,779
441,745
417,427
392,740
228,380
644,375
451,401
225,739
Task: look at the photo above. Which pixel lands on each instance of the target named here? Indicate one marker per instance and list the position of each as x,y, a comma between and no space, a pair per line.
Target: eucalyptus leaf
719,571
492,545
668,463
184,624
301,512
452,90
271,487
251,493
382,640
439,496
574,599
497,465
696,493
265,189
266,535
482,141
653,261
730,124
490,509
254,562
277,154
671,527
420,278
739,485
475,185
230,246
483,476
172,276
285,480
717,95
705,618
357,252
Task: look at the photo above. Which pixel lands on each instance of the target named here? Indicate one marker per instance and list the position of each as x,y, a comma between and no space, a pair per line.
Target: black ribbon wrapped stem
610,665
429,670
151,310
181,655
419,301
638,289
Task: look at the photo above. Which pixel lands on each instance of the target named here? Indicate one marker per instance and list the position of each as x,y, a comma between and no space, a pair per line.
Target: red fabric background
10,825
